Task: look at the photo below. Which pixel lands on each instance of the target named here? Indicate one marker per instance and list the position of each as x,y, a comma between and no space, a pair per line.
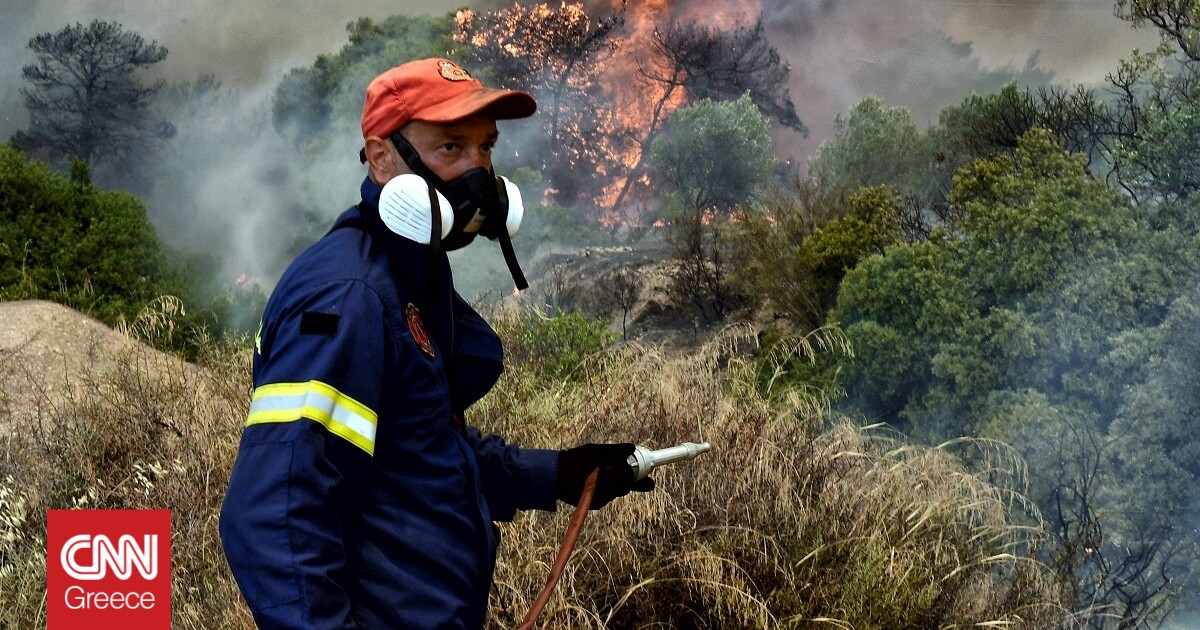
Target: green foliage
896,309
788,363
765,241
876,145
1157,417
69,242
715,154
1050,316
556,347
1039,244
1157,158
794,267
312,101
1176,20
1034,214
988,124
868,226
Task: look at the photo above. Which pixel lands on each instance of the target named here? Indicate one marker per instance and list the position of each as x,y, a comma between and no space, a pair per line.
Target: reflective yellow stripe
340,414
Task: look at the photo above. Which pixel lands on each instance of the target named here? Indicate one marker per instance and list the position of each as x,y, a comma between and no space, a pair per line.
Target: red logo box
108,569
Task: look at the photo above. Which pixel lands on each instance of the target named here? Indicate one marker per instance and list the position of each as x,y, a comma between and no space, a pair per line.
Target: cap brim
495,104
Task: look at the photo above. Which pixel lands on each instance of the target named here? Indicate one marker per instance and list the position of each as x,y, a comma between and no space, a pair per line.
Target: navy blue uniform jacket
357,500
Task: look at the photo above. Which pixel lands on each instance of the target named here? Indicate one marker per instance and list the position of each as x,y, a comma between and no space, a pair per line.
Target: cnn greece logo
122,557
113,569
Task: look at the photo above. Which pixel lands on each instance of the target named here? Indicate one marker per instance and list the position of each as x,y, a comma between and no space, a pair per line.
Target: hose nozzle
645,460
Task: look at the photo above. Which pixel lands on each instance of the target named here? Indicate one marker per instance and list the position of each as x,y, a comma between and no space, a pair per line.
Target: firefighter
360,498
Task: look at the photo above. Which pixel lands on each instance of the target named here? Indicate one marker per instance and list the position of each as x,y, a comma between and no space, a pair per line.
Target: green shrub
794,264
66,240
555,347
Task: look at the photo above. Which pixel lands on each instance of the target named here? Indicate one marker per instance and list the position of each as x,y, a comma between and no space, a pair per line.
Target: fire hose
642,461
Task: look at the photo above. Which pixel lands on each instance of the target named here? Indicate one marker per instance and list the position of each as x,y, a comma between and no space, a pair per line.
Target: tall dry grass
138,430
793,520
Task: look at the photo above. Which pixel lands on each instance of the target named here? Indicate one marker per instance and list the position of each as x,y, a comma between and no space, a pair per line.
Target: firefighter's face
451,149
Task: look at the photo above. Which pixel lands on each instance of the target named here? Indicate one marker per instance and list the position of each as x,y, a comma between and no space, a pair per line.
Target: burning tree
689,62
558,55
598,124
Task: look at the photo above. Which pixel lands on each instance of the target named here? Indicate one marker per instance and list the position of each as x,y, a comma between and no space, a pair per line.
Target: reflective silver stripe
317,401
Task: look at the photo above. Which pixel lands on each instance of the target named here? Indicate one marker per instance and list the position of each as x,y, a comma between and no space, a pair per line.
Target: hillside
638,306
52,357
795,519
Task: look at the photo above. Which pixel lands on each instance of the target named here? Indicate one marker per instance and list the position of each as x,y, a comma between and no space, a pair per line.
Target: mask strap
506,247
413,159
435,238
510,258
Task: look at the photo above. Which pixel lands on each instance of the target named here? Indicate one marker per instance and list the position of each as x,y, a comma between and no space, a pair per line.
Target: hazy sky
826,41
243,43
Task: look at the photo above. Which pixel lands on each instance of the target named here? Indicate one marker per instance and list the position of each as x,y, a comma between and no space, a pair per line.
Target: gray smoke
244,44
226,185
929,54
230,185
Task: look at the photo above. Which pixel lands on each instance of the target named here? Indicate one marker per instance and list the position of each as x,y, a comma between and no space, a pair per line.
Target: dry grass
138,430
791,521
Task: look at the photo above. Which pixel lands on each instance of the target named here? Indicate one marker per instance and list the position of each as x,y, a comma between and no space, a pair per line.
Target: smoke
12,44
920,54
1182,622
227,185
230,186
243,44
929,54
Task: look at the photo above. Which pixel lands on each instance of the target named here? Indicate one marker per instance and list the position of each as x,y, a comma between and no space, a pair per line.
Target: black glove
615,479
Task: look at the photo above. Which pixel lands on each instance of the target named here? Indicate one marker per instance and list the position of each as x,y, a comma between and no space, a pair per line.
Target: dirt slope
51,354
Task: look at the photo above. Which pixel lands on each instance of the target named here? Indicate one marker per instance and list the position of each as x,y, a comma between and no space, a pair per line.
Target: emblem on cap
453,71
417,328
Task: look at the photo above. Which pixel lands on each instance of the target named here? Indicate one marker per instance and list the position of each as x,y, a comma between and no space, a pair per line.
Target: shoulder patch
315,323
417,328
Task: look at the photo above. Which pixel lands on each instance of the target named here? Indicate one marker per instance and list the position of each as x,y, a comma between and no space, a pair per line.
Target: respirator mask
449,215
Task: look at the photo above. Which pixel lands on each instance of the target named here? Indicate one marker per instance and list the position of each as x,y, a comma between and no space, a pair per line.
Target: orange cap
435,90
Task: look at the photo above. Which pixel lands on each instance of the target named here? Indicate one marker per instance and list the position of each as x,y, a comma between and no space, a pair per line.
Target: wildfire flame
636,76
640,102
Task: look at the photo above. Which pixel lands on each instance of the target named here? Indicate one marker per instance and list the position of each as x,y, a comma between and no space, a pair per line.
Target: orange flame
642,104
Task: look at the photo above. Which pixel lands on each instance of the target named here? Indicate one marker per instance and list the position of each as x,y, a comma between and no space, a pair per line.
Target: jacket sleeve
514,478
308,440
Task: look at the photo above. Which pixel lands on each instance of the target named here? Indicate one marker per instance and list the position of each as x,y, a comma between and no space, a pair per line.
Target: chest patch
417,328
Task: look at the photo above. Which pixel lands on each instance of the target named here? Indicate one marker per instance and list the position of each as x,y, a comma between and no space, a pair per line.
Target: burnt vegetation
1006,299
